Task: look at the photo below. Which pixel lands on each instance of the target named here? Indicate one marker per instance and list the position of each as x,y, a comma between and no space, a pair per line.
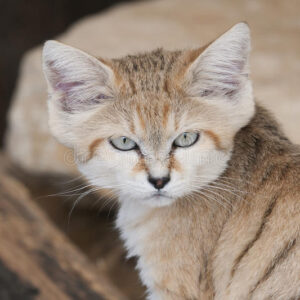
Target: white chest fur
136,228
165,247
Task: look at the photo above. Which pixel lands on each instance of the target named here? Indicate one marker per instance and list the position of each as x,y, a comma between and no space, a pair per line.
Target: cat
208,185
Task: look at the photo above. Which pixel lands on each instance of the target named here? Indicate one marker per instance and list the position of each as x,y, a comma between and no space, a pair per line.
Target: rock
88,224
172,24
36,260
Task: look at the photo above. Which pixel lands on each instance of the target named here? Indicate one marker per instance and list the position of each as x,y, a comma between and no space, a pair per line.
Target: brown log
36,260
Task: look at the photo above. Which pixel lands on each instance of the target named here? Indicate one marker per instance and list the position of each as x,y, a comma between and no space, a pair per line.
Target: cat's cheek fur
109,168
195,167
200,164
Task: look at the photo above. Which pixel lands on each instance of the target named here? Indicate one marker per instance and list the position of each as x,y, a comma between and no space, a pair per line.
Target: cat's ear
77,85
76,80
221,70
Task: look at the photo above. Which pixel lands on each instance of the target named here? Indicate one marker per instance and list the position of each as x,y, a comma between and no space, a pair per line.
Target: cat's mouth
158,198
159,194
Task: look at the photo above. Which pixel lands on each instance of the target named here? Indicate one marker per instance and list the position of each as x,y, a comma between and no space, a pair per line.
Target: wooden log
36,260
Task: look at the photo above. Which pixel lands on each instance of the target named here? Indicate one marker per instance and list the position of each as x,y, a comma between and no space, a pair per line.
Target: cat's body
208,185
246,247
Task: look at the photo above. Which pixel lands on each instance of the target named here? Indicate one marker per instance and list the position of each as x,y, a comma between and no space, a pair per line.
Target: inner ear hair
76,80
221,67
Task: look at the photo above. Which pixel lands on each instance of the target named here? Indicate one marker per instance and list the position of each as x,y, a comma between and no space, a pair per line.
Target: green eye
186,139
123,143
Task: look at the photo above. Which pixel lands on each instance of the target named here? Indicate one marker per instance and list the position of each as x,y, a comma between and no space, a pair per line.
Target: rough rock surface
172,24
36,260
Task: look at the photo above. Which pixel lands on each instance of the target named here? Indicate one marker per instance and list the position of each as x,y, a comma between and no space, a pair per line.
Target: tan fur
166,114
270,199
140,166
234,237
93,147
174,164
214,137
141,119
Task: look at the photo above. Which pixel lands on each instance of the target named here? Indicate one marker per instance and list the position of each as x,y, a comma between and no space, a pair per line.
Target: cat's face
157,149
154,127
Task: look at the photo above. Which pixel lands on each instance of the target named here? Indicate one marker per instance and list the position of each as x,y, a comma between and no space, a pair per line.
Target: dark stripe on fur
279,258
265,218
295,298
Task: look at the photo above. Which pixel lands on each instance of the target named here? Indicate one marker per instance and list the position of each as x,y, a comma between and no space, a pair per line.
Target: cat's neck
254,147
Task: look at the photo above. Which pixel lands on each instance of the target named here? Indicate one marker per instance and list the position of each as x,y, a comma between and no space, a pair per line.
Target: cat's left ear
221,70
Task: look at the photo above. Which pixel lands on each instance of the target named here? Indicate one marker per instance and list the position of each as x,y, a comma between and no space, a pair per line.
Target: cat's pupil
185,136
124,140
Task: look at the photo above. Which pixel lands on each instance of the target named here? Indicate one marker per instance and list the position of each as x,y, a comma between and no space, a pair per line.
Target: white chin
158,201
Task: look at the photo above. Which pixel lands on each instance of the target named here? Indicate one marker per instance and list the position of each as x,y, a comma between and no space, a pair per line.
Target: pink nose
159,183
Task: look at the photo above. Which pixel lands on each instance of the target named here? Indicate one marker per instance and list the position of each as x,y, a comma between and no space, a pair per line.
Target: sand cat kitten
208,185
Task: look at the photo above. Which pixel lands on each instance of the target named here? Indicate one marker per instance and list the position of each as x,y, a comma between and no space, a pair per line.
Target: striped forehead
153,122
146,72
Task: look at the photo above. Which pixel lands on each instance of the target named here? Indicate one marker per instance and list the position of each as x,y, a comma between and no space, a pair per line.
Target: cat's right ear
77,83
76,80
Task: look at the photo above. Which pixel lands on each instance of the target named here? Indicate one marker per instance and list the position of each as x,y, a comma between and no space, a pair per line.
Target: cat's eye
186,139
123,143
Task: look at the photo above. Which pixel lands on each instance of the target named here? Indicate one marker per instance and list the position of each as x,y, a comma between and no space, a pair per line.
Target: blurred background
39,183
25,24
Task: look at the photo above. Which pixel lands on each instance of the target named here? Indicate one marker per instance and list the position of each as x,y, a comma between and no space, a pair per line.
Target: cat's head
153,127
